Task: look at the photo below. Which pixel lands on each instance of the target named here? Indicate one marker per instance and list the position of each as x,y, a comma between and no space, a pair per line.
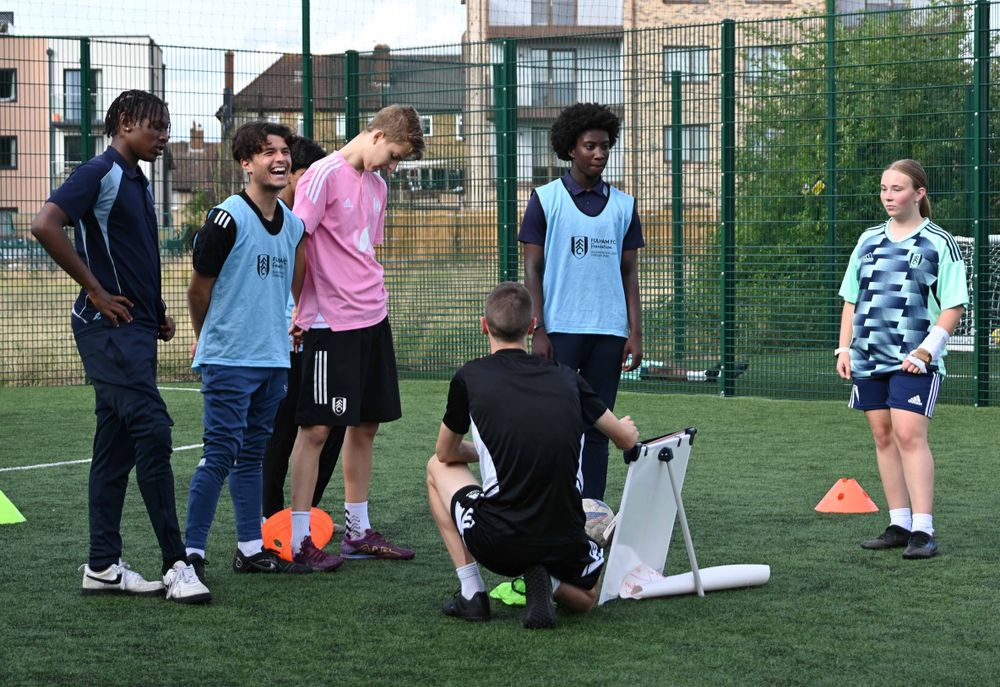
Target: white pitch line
176,388
80,462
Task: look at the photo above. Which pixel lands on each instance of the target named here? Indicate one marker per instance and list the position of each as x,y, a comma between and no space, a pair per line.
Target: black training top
528,417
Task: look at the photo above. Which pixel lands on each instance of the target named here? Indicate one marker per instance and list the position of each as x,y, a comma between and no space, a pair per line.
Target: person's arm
47,228
933,345
621,431
534,271
450,448
630,281
211,248
843,351
199,298
298,278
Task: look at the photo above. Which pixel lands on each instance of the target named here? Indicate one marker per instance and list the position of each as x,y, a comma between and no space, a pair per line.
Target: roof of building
430,83
193,169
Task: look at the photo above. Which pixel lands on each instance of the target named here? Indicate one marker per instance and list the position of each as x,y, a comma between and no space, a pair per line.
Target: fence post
831,170
86,105
677,211
352,95
981,210
727,234
307,74
505,117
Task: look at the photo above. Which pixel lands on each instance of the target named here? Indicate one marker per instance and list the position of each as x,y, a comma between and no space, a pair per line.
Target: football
599,516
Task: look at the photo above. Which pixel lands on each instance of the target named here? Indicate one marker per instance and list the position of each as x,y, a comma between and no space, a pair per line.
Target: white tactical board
647,511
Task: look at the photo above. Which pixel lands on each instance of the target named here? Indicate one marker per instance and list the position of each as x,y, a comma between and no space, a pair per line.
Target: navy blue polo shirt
589,202
111,206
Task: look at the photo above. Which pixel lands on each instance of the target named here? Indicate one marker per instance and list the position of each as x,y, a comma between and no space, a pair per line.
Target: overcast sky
193,77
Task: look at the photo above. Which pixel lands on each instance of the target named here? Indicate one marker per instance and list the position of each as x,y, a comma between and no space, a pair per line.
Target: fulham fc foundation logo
263,266
578,246
339,405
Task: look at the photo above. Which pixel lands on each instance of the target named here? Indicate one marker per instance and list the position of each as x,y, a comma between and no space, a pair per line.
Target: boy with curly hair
580,237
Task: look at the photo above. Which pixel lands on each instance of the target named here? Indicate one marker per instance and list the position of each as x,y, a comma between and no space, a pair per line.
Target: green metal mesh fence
754,149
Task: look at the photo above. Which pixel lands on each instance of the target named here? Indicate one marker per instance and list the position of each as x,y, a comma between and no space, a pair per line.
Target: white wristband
934,342
842,349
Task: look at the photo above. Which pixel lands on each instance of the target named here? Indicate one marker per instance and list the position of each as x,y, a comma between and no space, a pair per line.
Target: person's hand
912,367
111,307
167,329
296,334
629,428
844,365
540,344
194,348
632,354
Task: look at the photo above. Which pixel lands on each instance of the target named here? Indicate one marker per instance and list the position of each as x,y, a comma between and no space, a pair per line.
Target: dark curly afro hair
577,119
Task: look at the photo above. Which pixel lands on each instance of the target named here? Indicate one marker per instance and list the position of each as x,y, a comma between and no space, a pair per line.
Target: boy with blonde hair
349,365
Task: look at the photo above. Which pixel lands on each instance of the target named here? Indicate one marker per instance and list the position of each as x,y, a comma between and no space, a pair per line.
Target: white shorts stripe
932,395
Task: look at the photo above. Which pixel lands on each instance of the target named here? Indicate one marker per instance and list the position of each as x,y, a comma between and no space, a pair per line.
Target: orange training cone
846,496
277,530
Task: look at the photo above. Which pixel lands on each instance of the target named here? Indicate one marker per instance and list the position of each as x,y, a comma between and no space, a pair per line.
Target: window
459,128
73,150
764,60
296,76
8,85
553,12
340,126
8,152
300,125
72,98
691,62
7,225
545,166
427,124
553,77
694,143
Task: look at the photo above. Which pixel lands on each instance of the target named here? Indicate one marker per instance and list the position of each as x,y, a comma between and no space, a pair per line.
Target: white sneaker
183,585
119,578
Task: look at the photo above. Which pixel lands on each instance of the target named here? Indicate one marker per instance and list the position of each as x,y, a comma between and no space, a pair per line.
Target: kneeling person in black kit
528,416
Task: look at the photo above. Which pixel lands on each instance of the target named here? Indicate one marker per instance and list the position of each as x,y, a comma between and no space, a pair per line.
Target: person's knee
314,435
910,439
576,599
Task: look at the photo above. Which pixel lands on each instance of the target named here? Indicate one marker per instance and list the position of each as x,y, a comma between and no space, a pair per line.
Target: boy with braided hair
116,320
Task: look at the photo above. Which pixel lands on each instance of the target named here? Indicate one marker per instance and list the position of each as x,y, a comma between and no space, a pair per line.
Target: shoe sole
193,599
374,556
881,545
920,555
539,611
120,592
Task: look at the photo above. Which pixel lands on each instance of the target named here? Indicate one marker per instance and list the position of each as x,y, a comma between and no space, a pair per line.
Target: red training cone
846,496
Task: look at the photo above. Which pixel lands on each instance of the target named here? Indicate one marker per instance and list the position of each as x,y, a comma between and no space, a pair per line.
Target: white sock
200,552
472,581
249,548
300,528
923,522
901,517
356,519
555,584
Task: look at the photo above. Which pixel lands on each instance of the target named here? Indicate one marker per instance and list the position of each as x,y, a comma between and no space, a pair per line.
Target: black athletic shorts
348,377
577,563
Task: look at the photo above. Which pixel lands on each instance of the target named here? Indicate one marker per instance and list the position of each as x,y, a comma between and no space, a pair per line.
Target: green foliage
901,80
900,86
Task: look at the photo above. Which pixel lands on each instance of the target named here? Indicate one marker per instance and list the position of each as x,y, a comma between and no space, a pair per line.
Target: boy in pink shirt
349,365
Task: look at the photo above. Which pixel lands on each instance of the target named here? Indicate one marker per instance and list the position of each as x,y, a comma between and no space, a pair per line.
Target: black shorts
348,377
576,562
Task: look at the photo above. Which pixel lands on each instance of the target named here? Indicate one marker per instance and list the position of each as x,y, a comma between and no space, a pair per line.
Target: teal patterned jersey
899,288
